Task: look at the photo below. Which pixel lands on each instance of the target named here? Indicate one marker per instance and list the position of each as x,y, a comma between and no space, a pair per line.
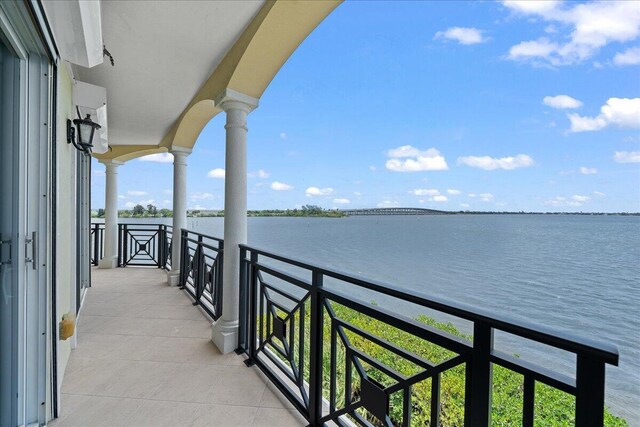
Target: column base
225,336
108,262
173,278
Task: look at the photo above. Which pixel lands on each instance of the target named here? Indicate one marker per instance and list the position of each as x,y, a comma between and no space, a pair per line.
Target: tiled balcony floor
145,358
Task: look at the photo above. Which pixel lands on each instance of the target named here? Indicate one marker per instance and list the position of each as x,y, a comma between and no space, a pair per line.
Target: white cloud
579,198
599,194
129,205
136,193
472,195
341,201
561,201
98,172
315,191
486,197
573,201
620,112
415,160
438,199
462,35
404,151
627,157
357,193
167,202
454,192
120,196
261,173
532,6
146,202
561,101
283,135
464,205
588,171
387,204
280,186
540,48
216,173
425,192
158,157
491,163
168,191
587,27
372,168
202,196
630,56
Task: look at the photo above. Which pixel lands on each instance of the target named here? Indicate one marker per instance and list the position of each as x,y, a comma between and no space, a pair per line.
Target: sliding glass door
9,112
25,136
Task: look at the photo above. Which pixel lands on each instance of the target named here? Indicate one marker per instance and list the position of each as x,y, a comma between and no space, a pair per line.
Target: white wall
65,215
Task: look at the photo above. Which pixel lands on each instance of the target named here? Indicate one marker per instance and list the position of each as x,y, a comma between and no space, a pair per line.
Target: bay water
575,273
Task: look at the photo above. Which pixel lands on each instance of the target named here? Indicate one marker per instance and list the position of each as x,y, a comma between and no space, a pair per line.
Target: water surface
580,274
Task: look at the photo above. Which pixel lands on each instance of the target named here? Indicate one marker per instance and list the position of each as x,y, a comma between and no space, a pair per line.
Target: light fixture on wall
86,129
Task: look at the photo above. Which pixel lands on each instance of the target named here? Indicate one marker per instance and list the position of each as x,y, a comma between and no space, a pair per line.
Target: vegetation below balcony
552,407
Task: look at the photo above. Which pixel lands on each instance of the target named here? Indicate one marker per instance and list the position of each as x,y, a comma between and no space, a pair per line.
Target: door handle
34,250
3,242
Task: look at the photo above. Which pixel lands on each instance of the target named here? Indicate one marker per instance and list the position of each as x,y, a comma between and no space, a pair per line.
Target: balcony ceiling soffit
163,52
248,67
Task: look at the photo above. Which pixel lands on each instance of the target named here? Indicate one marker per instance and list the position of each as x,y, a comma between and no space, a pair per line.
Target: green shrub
552,407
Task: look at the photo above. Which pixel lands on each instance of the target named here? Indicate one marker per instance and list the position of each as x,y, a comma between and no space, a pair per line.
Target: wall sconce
86,129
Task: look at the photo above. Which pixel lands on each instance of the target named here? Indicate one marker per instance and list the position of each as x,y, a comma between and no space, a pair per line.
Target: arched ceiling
173,58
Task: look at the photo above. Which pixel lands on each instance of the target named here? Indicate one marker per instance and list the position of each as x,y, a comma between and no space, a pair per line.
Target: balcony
320,346
144,357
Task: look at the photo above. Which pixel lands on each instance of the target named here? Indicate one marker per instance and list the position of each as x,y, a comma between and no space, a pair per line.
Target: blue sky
445,105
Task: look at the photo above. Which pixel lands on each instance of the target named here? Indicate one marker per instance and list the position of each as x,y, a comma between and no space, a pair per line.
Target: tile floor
145,358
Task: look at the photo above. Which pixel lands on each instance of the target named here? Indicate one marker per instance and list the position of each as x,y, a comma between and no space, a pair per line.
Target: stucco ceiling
163,51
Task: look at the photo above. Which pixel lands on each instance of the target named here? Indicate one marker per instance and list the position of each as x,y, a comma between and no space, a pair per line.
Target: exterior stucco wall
65,253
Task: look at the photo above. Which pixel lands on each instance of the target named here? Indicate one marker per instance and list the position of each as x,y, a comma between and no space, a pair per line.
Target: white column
110,258
179,209
236,106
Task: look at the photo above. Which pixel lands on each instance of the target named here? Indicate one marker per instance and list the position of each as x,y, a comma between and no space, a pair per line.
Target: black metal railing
301,329
143,245
138,244
96,248
167,244
201,270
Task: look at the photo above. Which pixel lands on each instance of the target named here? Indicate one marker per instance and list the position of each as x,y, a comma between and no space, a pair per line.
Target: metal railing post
125,245
96,243
589,391
198,276
315,350
253,282
242,333
218,279
478,378
184,259
162,235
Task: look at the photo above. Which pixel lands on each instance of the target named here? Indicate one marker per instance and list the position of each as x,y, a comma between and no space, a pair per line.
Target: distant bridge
393,211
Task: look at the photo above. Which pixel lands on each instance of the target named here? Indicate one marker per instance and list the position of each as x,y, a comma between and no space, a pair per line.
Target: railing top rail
217,239
607,352
150,224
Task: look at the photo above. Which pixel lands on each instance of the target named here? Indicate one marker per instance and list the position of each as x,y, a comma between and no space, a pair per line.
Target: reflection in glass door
9,104
25,102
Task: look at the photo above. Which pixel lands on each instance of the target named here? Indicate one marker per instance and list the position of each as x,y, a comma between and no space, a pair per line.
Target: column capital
111,165
230,99
111,162
177,150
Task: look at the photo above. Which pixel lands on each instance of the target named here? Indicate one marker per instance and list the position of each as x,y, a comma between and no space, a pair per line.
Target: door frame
22,26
